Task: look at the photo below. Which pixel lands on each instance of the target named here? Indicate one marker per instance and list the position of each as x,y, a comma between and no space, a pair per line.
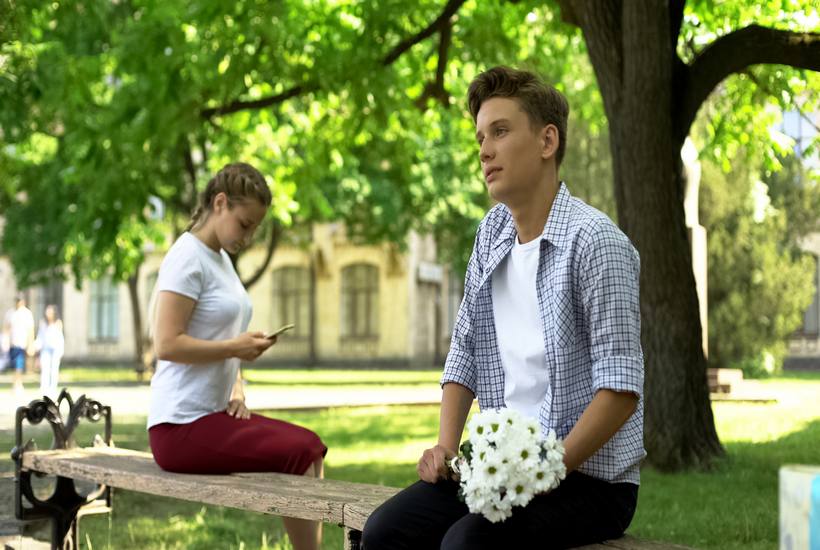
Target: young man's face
512,154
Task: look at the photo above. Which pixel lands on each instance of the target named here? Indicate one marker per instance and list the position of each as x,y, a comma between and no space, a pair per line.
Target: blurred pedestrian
51,344
19,325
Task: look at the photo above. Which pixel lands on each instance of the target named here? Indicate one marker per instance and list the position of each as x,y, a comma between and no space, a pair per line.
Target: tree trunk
636,85
136,315
679,427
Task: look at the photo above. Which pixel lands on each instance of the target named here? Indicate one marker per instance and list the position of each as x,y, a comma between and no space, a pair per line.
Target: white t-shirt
518,329
50,337
21,327
180,392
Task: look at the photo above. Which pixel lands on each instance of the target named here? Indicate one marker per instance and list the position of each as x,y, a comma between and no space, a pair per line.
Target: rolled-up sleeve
611,295
460,366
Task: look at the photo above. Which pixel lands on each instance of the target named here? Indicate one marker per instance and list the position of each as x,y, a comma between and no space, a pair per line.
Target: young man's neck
530,214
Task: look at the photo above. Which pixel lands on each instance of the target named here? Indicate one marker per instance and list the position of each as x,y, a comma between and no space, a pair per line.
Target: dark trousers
581,510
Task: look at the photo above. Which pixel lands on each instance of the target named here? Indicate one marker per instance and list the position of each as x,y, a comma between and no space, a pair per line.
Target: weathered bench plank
267,493
628,542
345,503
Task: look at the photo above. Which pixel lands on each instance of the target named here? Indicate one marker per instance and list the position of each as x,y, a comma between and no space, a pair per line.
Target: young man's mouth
490,173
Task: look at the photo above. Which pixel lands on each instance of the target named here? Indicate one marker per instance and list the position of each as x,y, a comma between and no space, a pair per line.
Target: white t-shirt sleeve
181,273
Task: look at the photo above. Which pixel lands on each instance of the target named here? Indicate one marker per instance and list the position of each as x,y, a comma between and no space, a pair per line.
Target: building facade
351,304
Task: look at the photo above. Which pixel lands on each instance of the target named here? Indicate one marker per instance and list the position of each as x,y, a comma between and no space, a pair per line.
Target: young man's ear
549,141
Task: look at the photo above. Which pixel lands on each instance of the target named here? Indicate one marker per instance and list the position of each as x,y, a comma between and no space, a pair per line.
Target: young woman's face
236,224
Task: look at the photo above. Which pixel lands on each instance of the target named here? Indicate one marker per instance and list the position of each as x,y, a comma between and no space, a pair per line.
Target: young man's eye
500,131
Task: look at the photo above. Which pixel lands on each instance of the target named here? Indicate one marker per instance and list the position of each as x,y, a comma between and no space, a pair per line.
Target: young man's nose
485,152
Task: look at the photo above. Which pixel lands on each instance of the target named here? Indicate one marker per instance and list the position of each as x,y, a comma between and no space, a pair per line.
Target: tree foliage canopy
345,106
354,109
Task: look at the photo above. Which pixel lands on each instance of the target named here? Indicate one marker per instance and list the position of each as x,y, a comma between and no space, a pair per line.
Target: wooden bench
341,502
332,501
721,380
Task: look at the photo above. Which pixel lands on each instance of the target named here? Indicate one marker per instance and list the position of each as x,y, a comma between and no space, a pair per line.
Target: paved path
133,399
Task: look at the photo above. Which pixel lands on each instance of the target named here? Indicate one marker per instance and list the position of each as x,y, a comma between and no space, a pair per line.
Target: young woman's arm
172,343
236,405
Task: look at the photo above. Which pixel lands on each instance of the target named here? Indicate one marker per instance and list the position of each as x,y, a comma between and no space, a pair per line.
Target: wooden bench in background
721,380
341,502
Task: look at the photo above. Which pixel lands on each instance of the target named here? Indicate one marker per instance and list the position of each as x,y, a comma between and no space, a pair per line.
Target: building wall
407,304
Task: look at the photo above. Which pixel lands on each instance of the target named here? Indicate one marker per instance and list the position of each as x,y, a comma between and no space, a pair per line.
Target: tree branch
240,105
436,89
737,50
793,103
602,25
568,14
441,21
189,163
675,20
275,232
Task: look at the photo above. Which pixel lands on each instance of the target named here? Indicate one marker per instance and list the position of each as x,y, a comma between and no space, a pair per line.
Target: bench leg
353,539
61,508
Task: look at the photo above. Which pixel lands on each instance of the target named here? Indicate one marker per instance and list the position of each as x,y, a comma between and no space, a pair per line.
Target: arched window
360,301
291,300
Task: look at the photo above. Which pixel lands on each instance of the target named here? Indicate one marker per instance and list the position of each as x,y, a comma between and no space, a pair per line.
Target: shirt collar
555,230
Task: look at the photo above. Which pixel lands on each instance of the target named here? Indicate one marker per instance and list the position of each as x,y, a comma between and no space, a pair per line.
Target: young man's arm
611,297
456,401
603,417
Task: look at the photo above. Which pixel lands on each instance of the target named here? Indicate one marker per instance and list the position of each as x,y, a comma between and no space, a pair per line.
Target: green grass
732,507
257,376
735,506
368,445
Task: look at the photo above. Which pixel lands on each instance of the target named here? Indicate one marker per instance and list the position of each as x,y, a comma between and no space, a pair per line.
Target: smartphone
279,331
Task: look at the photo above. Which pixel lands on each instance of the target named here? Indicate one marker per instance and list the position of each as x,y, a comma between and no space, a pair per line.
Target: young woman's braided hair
239,181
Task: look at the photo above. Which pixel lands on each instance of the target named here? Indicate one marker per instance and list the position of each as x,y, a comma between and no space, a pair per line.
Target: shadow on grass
364,428
307,383
732,507
390,475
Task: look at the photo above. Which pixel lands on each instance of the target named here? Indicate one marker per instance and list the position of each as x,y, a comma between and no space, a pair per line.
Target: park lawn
732,507
369,445
115,375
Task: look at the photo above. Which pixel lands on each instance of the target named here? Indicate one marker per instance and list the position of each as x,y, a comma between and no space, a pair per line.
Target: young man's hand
432,465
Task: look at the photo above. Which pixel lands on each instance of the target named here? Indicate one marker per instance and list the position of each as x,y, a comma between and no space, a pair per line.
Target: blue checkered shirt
588,299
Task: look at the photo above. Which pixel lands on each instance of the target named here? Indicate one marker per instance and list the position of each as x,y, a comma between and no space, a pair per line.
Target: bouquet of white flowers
505,462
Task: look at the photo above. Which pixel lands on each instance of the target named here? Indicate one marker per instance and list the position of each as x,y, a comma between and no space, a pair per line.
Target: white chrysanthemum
510,463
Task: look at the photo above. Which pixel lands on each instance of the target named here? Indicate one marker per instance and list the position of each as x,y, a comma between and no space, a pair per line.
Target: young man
549,326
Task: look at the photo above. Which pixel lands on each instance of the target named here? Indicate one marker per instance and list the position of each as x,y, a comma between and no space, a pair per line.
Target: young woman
50,342
198,421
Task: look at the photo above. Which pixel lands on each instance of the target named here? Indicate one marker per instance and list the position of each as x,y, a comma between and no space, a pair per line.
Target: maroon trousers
221,444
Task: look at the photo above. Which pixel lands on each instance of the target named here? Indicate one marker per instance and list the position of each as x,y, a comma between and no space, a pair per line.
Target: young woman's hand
250,345
237,409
